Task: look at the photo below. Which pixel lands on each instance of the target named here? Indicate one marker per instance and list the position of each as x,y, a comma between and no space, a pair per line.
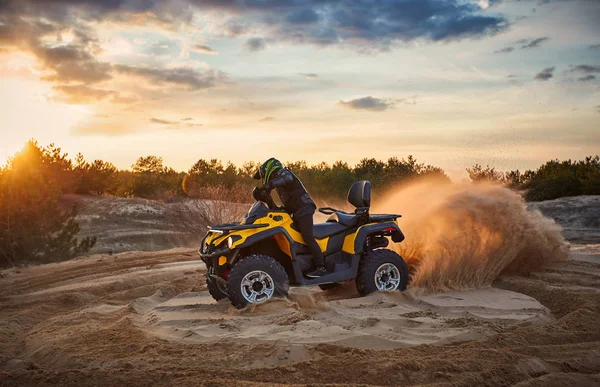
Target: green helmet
267,168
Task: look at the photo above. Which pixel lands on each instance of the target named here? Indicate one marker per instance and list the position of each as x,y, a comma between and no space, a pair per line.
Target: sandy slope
377,322
146,319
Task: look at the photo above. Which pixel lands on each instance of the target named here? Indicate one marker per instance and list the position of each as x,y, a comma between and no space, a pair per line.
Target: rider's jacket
291,191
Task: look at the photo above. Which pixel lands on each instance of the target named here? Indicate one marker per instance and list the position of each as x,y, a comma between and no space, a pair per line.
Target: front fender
259,236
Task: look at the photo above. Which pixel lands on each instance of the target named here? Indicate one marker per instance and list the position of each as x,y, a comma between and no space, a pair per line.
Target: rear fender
354,243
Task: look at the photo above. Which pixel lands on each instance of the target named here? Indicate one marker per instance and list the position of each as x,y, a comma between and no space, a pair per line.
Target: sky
509,83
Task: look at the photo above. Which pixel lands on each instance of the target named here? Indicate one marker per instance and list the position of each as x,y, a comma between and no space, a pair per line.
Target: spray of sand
465,235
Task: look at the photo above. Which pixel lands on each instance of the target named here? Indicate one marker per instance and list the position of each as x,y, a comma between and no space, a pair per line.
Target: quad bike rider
254,260
296,201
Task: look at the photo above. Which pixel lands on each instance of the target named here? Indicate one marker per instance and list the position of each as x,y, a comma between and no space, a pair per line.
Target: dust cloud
465,235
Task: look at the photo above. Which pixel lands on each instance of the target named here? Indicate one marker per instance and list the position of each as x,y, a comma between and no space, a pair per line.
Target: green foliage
152,180
478,174
97,178
37,226
557,179
34,224
552,180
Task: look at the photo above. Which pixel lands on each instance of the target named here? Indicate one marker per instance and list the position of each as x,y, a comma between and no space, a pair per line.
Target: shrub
34,225
557,179
477,174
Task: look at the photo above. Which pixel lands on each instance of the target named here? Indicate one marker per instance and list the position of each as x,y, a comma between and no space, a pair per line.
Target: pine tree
34,225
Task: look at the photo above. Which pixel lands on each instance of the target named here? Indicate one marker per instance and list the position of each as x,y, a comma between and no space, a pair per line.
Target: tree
370,169
479,174
149,176
101,178
97,178
34,224
557,179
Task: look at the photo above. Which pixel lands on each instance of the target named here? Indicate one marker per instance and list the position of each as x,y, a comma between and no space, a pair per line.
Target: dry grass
195,216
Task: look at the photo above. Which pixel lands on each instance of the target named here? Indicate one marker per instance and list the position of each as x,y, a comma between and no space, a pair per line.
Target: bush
34,225
478,174
554,179
151,179
97,178
557,179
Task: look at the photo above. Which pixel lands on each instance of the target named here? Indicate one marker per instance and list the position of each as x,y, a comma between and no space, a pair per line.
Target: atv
259,258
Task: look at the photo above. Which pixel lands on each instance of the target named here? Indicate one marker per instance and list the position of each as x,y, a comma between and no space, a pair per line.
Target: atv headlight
232,239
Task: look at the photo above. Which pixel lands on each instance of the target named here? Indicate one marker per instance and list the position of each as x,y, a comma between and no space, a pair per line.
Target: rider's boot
318,272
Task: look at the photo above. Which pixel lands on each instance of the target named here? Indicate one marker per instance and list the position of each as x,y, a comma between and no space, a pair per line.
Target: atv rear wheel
381,270
256,279
213,287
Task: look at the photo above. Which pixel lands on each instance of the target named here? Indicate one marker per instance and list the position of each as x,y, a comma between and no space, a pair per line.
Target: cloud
118,98
534,43
72,63
256,44
504,50
267,119
187,119
183,123
162,122
303,16
368,103
595,47
359,23
182,76
204,49
585,69
73,66
309,75
81,94
545,74
524,44
598,108
130,12
587,78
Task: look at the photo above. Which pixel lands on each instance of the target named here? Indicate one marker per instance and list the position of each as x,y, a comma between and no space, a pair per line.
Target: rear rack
383,217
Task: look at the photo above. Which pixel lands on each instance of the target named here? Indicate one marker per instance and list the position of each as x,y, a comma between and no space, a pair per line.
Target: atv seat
360,197
323,230
348,220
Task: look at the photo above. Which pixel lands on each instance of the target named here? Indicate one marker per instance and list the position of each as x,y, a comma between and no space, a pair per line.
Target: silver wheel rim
257,287
387,277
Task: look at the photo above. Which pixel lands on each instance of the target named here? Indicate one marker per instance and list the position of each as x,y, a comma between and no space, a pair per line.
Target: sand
147,319
493,301
378,321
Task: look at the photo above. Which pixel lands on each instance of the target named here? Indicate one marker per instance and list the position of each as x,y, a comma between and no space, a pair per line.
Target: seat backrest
360,194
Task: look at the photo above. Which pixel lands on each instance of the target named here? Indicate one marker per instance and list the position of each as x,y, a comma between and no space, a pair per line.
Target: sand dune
469,317
377,321
146,319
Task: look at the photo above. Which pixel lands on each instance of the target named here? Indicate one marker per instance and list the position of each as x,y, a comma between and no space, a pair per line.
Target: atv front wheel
256,279
381,270
213,287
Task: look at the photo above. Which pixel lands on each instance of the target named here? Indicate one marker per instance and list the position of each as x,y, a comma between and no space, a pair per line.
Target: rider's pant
305,224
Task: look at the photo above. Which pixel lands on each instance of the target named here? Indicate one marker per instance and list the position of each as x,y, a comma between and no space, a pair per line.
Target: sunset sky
502,82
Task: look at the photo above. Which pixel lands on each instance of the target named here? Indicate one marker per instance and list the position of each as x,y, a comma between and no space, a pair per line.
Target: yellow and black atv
257,259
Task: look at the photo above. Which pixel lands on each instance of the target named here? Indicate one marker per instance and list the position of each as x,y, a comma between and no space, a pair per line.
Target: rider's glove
258,193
